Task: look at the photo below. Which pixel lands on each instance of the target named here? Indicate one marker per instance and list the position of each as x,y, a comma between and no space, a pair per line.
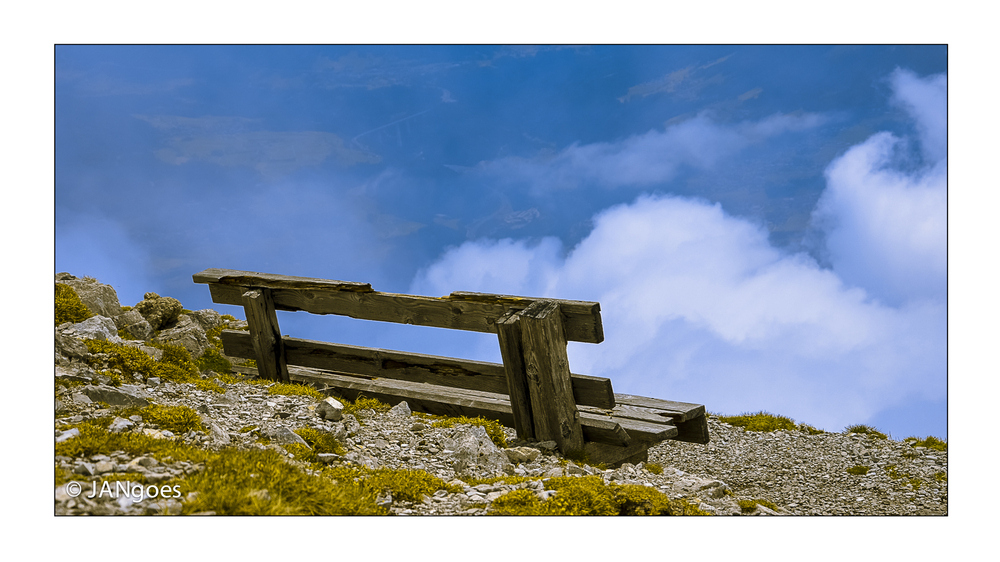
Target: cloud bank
697,304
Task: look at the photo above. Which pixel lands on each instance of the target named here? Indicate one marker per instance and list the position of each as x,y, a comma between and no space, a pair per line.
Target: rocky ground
787,472
798,473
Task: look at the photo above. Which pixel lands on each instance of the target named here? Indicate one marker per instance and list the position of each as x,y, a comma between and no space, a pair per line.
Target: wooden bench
532,391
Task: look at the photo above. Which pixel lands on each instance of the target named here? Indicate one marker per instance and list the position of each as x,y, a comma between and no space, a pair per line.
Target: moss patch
293,389
760,421
94,439
749,506
260,482
175,365
493,428
213,360
69,307
365,403
589,495
404,485
858,470
320,441
178,419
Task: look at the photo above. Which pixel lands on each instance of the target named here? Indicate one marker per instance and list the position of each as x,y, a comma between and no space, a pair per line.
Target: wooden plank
271,281
420,397
460,402
550,389
679,411
445,371
572,312
265,335
693,431
509,334
637,430
581,319
602,453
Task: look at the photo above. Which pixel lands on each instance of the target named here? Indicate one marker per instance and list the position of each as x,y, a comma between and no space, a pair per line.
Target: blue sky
764,226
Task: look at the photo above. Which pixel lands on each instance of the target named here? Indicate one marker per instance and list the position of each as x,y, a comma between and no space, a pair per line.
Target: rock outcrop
159,311
99,298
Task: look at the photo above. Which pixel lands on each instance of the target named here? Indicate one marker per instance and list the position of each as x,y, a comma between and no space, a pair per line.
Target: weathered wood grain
693,430
572,312
468,311
509,334
612,455
679,411
461,402
265,335
444,371
546,365
272,281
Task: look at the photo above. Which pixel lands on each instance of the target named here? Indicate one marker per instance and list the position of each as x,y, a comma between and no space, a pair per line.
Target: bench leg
546,367
509,334
263,320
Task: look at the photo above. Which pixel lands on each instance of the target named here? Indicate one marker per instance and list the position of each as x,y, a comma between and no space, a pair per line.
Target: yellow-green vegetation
69,307
248,428
213,360
930,442
810,429
589,495
365,403
760,421
866,430
295,389
748,506
67,383
940,476
178,419
260,482
859,470
493,480
175,365
319,441
209,385
124,477
493,428
894,473
233,481
95,439
63,476
654,468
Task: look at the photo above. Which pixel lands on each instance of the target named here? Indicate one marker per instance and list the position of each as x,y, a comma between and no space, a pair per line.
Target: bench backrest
532,334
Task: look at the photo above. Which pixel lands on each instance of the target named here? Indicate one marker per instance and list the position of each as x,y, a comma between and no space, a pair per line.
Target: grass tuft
760,421
865,430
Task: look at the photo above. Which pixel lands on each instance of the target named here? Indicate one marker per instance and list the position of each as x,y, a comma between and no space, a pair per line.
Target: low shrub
69,307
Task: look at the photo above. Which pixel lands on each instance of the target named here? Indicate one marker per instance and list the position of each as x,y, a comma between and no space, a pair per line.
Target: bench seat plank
463,402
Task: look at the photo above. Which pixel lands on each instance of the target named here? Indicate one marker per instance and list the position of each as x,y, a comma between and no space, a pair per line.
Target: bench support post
546,367
509,334
259,307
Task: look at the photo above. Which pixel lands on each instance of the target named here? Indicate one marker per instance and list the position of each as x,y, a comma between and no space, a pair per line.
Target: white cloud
699,307
886,228
648,159
926,100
